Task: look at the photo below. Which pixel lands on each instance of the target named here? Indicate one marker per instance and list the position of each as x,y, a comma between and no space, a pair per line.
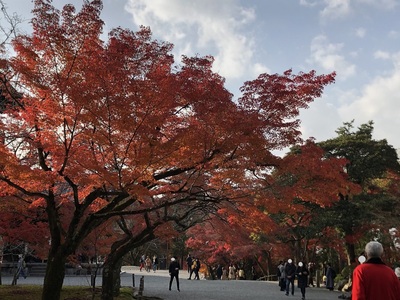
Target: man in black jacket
290,272
174,272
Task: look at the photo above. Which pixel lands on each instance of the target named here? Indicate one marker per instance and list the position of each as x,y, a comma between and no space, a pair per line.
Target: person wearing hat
290,273
174,272
374,280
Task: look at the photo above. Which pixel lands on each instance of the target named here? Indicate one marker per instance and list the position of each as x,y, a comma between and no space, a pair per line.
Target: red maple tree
105,129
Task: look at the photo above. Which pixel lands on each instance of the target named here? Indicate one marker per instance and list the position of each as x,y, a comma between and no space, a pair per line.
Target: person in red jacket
374,280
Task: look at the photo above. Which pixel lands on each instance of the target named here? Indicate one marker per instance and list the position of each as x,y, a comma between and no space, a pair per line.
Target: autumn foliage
111,129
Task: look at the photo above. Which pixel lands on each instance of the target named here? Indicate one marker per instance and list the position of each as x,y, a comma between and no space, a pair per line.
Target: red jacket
373,280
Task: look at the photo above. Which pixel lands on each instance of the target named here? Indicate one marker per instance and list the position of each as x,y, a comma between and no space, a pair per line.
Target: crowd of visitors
147,263
370,280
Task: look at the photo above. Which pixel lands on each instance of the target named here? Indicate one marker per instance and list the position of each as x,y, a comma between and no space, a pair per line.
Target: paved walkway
156,284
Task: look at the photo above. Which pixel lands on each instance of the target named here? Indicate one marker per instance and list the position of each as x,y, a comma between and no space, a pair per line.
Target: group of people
371,279
194,266
147,263
288,272
231,273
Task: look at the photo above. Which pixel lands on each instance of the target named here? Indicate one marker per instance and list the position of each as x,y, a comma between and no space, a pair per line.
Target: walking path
156,285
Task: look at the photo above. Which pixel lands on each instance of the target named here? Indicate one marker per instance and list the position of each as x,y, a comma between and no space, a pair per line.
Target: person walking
142,259
174,272
330,277
189,262
373,279
224,274
21,265
302,279
311,272
290,273
219,272
281,276
231,272
197,269
193,268
148,263
155,263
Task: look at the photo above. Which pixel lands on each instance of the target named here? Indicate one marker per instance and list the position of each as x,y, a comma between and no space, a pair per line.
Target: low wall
39,269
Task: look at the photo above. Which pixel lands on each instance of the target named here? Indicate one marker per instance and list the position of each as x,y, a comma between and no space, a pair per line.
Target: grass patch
34,292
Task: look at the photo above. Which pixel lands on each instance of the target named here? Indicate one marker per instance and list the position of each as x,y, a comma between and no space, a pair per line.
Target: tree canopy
370,164
107,129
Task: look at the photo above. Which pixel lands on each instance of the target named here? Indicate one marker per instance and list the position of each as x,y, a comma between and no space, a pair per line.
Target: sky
358,39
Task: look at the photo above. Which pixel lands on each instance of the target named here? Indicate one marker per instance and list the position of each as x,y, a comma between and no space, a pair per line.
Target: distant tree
305,183
8,30
369,162
287,211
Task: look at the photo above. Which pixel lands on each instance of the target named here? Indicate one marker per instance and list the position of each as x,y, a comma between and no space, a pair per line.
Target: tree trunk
112,267
54,278
270,267
111,278
260,266
351,253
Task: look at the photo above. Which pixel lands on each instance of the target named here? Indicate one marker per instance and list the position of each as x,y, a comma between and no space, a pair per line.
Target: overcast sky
359,39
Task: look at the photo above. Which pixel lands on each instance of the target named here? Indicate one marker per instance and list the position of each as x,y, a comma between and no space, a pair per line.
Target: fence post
93,281
133,280
141,286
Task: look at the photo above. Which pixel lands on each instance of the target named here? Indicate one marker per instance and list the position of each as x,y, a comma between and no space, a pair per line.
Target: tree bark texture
54,278
111,278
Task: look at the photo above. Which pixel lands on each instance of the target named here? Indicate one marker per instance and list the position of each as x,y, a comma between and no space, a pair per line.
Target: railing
272,277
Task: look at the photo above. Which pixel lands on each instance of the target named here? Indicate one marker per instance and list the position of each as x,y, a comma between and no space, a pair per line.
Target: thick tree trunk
351,253
111,278
112,267
53,280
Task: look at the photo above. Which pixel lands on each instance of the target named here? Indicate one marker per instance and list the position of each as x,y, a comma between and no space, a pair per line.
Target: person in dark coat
219,272
189,262
174,272
330,277
290,273
311,271
302,275
197,269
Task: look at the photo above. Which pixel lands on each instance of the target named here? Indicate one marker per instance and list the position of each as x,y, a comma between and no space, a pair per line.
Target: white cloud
379,101
327,56
361,32
308,3
382,55
382,4
393,34
335,9
259,69
320,120
206,25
